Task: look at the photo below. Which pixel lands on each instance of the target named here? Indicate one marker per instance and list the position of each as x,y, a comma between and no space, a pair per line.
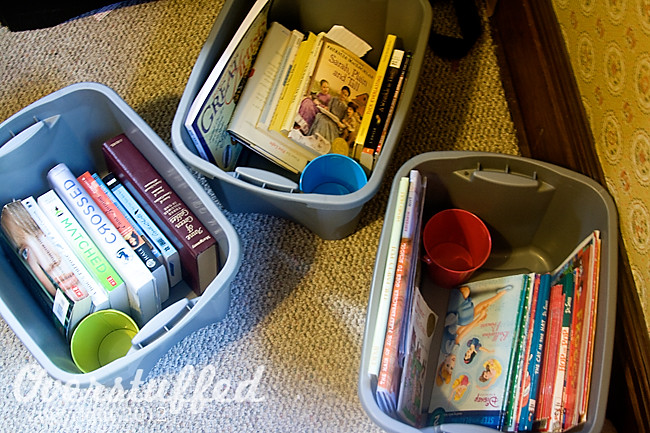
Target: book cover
53,281
389,373
85,248
141,289
380,114
210,112
98,192
243,124
373,94
410,403
479,337
167,250
87,281
195,244
330,105
388,279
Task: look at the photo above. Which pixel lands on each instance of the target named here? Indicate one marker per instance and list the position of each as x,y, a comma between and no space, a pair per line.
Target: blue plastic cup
332,174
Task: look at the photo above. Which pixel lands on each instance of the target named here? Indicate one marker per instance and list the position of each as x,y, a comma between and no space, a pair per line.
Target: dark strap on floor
469,22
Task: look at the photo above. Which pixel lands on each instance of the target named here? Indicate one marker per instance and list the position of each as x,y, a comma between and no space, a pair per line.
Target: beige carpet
299,303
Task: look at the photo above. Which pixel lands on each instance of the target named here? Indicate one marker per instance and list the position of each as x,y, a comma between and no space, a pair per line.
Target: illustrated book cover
210,112
481,329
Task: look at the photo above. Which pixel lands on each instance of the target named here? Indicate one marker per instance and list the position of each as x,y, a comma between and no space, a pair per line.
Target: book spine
518,360
145,249
386,54
195,244
406,63
590,328
291,88
544,405
537,351
280,78
86,249
575,355
167,250
143,299
389,373
557,412
379,115
303,82
388,279
86,281
524,385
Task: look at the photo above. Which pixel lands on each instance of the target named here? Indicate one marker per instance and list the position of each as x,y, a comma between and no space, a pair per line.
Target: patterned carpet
298,303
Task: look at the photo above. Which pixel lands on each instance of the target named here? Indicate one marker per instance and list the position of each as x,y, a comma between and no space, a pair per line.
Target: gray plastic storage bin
537,213
69,126
330,217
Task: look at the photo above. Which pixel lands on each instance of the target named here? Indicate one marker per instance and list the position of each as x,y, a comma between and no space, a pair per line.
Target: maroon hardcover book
196,246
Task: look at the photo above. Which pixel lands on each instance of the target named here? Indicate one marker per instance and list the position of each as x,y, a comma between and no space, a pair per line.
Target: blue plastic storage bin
330,217
537,213
69,126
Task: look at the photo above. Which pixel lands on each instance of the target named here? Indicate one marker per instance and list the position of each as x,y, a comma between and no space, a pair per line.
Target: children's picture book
330,106
480,333
210,112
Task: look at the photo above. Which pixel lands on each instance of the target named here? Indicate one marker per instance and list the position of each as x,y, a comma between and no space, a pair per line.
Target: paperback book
50,278
480,335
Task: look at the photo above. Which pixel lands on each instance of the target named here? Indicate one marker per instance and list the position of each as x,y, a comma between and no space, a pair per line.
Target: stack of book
119,241
291,96
516,351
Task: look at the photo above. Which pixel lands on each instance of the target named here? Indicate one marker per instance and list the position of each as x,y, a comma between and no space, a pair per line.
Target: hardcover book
210,112
130,232
141,288
168,252
85,248
50,278
195,244
479,338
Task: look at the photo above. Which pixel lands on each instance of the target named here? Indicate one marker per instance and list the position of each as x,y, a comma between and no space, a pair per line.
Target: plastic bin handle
162,323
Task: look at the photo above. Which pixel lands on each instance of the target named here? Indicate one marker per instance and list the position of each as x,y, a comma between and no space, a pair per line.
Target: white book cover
86,280
79,240
140,283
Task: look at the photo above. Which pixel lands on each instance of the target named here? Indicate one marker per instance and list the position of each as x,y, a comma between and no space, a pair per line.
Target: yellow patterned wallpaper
609,46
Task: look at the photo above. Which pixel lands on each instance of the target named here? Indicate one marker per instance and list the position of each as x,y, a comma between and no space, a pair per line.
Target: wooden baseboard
552,126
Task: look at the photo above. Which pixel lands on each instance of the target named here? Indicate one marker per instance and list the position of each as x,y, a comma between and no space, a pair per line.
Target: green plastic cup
101,338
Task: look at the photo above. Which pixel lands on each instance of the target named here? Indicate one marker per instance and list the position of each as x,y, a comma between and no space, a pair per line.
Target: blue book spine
537,350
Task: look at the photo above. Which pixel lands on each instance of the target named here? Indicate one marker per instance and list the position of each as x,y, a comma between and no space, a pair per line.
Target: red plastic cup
456,243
